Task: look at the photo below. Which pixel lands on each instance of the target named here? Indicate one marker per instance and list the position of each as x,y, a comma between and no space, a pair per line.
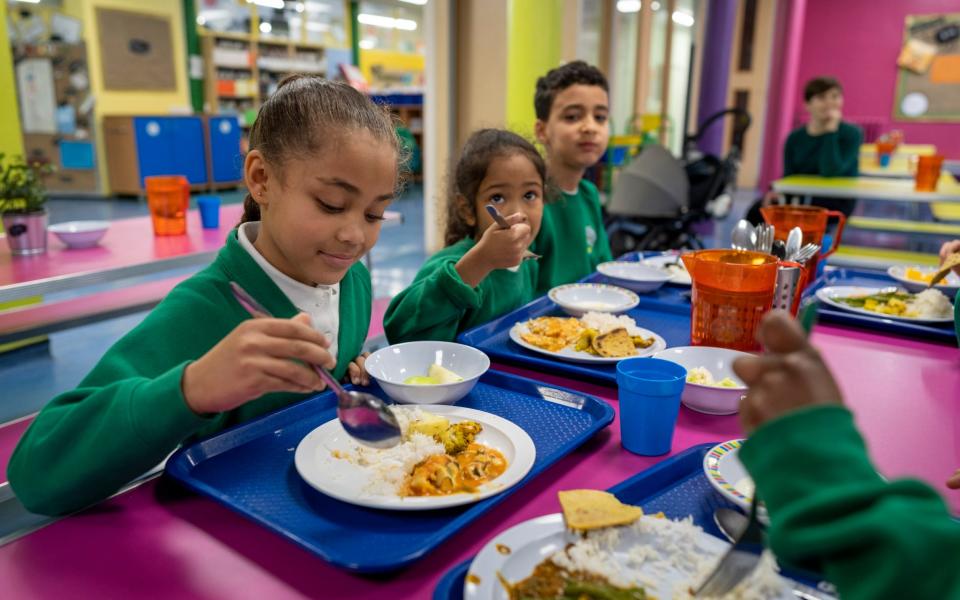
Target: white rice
386,470
931,304
605,322
666,547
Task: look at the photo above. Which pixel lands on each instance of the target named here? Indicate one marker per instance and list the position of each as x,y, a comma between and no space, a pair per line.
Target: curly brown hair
306,112
481,149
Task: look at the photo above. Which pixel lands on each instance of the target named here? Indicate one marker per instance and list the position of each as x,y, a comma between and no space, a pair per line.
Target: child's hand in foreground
789,376
257,358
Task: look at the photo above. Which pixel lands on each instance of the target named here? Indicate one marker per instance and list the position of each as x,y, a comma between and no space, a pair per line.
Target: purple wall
715,72
857,41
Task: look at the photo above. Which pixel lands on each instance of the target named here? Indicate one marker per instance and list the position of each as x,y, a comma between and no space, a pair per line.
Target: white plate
830,294
569,354
339,478
681,277
899,272
635,276
531,542
727,474
577,299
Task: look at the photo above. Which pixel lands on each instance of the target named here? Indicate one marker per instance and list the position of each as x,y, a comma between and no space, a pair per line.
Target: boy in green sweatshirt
572,110
481,273
199,363
832,512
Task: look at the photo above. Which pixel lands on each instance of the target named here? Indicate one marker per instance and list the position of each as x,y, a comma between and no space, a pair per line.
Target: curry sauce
443,474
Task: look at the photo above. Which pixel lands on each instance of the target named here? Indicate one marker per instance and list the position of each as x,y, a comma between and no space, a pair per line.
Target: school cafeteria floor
30,377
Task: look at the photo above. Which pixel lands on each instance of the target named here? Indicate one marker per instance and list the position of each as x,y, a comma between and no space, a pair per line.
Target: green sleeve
831,512
840,153
433,306
123,419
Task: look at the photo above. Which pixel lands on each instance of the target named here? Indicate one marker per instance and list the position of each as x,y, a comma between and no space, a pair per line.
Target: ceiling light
683,19
265,27
277,4
366,44
628,6
417,2
387,22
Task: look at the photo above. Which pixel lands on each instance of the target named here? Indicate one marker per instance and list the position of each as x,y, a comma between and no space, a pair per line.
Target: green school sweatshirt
831,512
438,305
835,154
572,239
129,413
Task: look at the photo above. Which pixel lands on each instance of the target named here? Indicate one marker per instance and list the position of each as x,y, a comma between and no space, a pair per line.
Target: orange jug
168,197
732,290
812,221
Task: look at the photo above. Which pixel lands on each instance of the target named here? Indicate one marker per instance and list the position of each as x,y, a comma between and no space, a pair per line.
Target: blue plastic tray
250,469
677,487
669,316
934,331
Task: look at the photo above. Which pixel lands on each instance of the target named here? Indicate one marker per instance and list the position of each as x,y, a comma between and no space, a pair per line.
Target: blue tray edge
183,460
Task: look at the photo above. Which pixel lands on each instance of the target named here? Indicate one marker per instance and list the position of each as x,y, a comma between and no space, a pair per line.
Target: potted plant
23,205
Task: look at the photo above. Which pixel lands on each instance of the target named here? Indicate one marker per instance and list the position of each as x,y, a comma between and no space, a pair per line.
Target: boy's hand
257,358
358,371
954,482
947,249
791,375
497,249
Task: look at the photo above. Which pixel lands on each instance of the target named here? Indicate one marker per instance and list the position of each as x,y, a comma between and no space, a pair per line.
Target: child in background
829,510
322,168
572,123
470,282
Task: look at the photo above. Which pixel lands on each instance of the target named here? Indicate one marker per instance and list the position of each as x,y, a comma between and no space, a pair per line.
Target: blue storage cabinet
226,160
171,146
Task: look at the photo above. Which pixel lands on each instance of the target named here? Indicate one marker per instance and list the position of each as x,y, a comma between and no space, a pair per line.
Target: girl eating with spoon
323,166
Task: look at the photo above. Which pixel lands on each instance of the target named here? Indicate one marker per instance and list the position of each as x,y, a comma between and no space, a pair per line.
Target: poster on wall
38,108
136,51
928,84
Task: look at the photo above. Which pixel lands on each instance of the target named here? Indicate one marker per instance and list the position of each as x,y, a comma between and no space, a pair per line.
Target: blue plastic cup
209,211
884,160
649,393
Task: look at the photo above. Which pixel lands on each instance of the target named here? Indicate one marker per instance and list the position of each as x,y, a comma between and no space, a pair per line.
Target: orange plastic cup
168,197
732,290
812,221
928,173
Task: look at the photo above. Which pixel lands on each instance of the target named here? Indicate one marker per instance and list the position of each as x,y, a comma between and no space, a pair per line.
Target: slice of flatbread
592,509
953,260
615,344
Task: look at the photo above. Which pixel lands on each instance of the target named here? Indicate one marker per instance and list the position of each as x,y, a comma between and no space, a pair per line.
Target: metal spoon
794,240
364,417
744,236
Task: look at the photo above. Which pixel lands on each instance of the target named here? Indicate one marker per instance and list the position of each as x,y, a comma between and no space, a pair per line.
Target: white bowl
708,399
80,234
576,299
392,365
672,264
899,272
635,276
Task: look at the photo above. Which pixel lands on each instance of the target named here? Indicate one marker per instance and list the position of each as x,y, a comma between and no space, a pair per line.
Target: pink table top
128,249
157,541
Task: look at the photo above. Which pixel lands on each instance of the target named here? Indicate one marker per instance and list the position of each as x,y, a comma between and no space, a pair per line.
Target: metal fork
737,563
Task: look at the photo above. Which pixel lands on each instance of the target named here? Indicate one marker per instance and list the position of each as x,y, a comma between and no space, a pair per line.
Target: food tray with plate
669,320
250,469
676,486
941,332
